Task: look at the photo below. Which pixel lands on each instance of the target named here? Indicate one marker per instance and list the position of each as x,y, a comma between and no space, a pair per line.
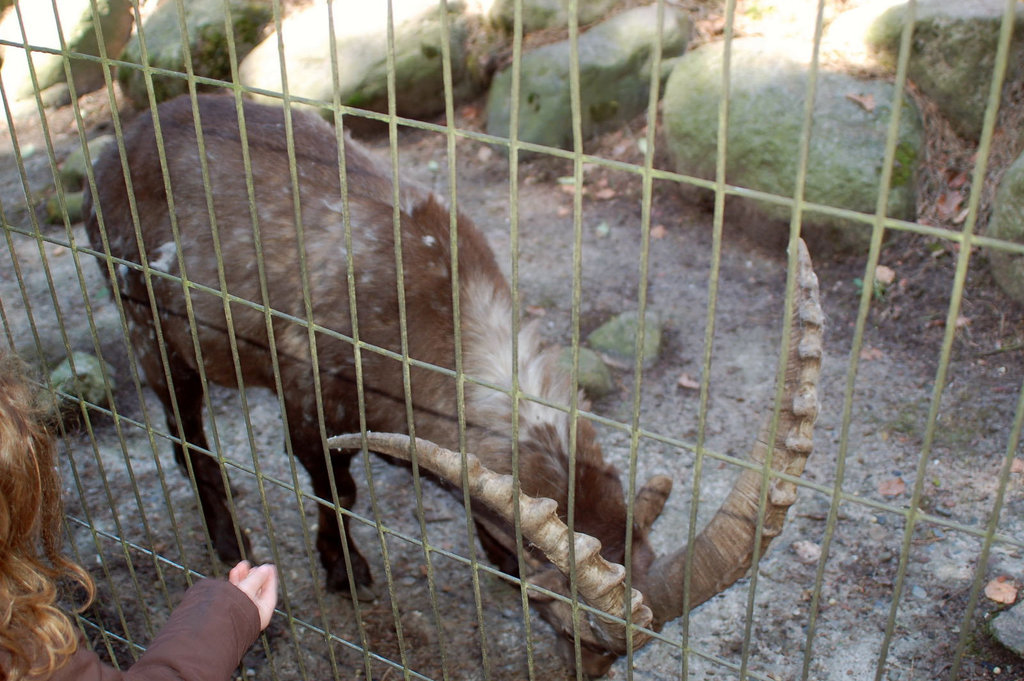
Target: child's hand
260,585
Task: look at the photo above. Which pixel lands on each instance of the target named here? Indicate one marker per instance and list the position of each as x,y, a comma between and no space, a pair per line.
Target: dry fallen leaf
871,353
1017,466
866,102
687,381
604,194
949,203
658,232
956,179
892,487
1001,590
885,275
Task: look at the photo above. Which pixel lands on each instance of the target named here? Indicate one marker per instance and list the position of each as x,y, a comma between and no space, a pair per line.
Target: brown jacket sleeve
203,640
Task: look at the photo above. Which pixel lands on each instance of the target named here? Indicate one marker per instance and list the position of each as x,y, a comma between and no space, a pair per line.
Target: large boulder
539,15
768,87
615,61
80,35
207,44
953,53
1007,223
360,53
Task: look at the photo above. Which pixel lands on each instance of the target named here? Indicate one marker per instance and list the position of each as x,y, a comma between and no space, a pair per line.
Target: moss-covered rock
768,87
539,15
1007,223
80,35
616,339
72,169
361,54
952,54
593,375
207,44
82,377
615,61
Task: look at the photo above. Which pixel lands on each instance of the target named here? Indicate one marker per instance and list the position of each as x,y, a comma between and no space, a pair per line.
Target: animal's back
261,260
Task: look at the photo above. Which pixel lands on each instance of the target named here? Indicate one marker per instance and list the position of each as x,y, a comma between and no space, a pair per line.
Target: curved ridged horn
599,583
723,551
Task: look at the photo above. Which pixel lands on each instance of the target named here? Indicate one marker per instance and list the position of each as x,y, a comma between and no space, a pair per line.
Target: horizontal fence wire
136,525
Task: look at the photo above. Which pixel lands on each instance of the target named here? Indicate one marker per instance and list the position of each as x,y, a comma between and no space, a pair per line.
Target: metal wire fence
895,580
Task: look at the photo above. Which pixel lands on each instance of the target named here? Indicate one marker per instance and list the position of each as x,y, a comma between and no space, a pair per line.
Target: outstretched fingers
260,585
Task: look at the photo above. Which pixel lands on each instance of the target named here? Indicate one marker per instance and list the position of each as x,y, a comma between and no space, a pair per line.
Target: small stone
807,552
72,207
593,376
616,339
72,170
1008,628
85,381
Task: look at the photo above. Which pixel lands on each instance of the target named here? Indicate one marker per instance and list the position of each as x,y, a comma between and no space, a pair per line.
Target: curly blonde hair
36,635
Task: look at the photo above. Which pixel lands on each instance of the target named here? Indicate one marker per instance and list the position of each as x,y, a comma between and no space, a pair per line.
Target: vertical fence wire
718,221
460,382
799,182
864,307
515,102
914,514
647,189
576,109
364,642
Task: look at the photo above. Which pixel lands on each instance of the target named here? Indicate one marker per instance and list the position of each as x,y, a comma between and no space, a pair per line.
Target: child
206,635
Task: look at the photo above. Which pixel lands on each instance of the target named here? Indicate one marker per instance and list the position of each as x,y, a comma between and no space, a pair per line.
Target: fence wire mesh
910,506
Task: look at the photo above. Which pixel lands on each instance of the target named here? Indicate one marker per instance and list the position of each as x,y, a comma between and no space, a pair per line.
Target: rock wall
951,63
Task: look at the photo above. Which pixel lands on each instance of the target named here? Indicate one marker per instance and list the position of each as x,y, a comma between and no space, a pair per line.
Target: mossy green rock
207,44
85,381
593,375
80,35
1007,223
615,59
616,339
768,87
72,208
360,52
538,15
952,54
72,170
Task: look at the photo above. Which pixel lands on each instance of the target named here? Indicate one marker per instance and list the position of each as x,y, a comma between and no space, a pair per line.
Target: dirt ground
872,441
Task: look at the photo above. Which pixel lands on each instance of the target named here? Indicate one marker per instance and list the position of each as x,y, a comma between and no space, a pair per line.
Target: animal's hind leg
187,396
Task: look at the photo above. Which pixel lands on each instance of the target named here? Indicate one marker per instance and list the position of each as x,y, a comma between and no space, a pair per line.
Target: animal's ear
549,579
431,206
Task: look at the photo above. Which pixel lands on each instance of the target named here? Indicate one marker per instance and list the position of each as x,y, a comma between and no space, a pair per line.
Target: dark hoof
338,582
228,549
365,593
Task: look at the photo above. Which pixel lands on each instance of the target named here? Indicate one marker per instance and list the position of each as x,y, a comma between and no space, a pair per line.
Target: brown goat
266,286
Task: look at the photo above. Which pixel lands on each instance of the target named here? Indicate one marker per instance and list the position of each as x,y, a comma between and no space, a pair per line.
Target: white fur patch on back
487,347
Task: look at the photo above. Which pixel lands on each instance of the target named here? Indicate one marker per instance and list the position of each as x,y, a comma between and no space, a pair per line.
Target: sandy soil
128,504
